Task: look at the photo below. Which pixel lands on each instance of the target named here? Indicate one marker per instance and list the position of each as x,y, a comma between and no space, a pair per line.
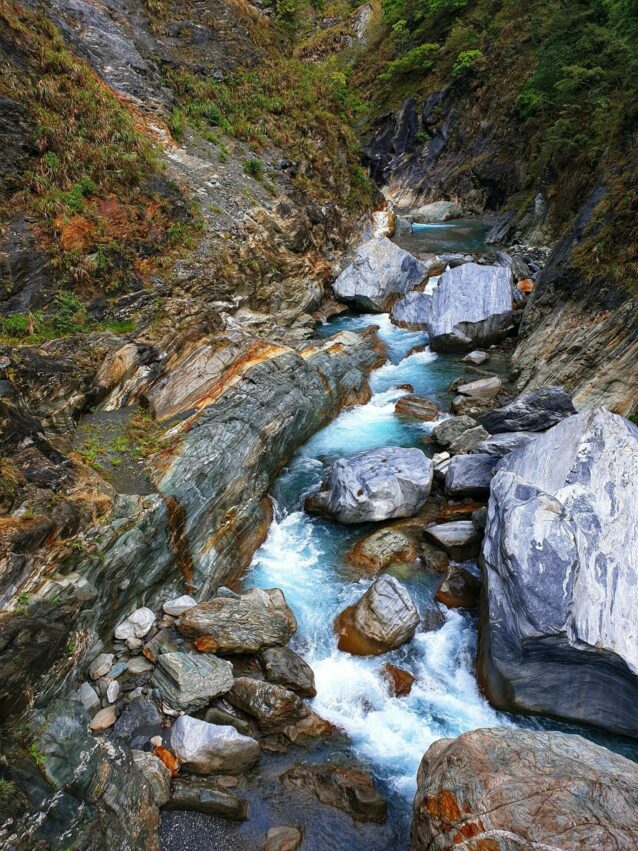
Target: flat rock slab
244,625
207,797
517,789
470,475
380,272
187,681
383,619
471,304
504,443
347,789
377,484
535,411
204,748
560,635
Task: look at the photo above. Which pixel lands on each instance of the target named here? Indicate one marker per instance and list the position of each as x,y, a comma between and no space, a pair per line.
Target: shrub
254,168
418,59
466,61
177,124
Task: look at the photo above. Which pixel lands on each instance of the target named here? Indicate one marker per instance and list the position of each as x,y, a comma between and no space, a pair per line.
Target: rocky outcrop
383,619
537,410
558,626
380,272
244,625
471,305
376,484
187,681
508,789
412,311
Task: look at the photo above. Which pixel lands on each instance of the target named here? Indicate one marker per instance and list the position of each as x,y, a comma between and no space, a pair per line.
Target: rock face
471,305
384,618
187,681
513,790
412,311
243,625
381,271
537,410
559,631
460,539
377,484
459,588
504,443
338,786
204,748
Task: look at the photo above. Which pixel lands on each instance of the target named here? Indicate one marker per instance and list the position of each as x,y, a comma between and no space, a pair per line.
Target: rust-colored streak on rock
168,758
468,831
458,512
399,681
352,640
178,540
206,644
443,806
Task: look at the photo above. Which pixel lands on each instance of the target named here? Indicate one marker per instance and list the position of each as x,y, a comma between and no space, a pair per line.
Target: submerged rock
284,667
560,625
204,748
380,272
412,311
187,681
383,619
471,304
273,706
537,410
338,786
208,797
244,625
517,789
376,484
399,680
283,838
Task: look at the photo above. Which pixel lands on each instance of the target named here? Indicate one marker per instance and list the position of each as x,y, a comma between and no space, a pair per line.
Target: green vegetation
36,754
254,168
7,790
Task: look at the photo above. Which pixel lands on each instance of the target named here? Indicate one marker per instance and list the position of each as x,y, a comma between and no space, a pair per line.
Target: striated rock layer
559,625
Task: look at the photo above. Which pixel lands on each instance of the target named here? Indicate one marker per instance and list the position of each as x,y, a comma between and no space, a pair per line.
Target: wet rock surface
338,786
517,789
284,667
558,622
384,618
381,271
459,588
376,484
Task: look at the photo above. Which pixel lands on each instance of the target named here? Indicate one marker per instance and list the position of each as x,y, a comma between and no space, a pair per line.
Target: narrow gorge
319,442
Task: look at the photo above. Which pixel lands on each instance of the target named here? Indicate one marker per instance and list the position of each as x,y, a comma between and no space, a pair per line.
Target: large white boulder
204,748
560,633
471,305
380,272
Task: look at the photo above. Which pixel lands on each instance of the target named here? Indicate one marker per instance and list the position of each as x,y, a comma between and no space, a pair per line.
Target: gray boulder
476,357
471,305
518,790
468,440
412,311
446,432
537,410
257,619
377,484
284,667
504,443
560,629
383,619
380,272
187,681
470,475
204,748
